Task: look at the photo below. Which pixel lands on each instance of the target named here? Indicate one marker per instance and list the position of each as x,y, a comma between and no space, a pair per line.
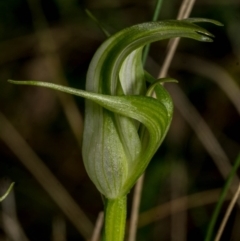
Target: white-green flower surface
124,126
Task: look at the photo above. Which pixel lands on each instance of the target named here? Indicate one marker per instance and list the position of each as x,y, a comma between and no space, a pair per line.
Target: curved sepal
147,110
103,71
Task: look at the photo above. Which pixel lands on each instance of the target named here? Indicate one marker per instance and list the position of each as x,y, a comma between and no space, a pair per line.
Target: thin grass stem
227,214
98,23
184,12
165,210
155,18
139,184
9,220
135,209
213,72
185,9
203,132
221,199
98,227
44,176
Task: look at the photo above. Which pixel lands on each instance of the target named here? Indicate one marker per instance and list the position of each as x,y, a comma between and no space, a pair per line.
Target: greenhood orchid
124,125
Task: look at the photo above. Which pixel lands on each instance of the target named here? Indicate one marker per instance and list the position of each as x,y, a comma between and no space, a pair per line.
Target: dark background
53,40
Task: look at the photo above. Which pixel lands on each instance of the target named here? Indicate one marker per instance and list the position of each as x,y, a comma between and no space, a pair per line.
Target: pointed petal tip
216,22
206,20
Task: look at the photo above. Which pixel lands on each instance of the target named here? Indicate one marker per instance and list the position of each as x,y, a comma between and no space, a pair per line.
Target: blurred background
40,130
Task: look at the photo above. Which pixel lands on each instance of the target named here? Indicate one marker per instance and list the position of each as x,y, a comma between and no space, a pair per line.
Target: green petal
132,82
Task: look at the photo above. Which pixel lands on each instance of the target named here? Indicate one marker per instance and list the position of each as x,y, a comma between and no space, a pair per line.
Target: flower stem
115,219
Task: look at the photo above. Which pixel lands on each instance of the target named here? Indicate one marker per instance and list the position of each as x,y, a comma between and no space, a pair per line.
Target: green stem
155,18
115,219
221,200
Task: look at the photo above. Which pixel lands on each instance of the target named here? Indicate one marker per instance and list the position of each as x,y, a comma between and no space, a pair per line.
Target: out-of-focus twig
227,214
98,227
135,209
139,184
212,71
203,132
222,197
12,228
10,221
164,210
184,12
43,175
188,111
185,9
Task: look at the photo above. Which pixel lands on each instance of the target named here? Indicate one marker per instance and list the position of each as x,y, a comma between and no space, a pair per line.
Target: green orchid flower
124,125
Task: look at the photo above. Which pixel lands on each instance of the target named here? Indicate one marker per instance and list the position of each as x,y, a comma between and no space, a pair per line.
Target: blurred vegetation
55,39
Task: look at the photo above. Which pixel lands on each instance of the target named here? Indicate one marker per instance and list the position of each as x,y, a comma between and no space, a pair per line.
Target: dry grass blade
11,225
135,209
185,9
190,114
98,227
12,228
193,201
43,175
184,12
227,214
212,71
203,132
